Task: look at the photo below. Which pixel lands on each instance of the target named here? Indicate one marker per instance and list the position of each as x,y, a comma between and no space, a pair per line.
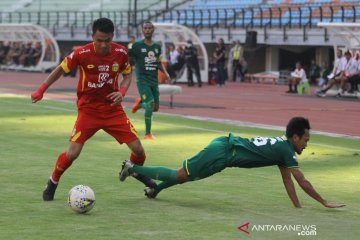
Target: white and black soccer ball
81,199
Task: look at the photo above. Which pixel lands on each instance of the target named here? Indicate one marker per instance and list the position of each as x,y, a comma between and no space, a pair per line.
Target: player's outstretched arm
289,186
53,77
309,189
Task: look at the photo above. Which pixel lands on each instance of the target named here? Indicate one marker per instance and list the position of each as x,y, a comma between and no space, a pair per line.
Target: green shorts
148,93
212,159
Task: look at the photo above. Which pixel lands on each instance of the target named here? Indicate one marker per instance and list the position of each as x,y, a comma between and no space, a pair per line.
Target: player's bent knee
149,106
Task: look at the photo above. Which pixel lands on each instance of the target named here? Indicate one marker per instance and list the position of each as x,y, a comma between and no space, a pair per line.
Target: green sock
164,185
166,175
156,173
148,121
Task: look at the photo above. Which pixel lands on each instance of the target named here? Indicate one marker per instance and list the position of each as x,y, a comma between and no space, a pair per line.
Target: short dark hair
297,125
104,25
146,22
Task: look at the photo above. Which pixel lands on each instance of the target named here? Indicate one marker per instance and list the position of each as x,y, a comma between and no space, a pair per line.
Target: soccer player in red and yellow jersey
99,99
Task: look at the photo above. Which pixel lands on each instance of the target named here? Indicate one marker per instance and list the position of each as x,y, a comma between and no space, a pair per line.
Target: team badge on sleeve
127,69
115,67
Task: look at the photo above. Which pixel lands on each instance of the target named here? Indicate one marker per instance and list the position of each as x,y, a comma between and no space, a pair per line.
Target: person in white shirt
350,71
337,74
174,56
298,76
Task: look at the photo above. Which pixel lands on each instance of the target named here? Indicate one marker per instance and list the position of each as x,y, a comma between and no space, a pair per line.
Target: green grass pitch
32,136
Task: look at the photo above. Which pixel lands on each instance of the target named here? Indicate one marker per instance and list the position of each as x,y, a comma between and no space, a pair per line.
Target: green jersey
147,60
261,152
233,151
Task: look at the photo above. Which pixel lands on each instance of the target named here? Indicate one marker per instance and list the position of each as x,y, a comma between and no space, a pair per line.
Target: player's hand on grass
39,93
333,205
115,97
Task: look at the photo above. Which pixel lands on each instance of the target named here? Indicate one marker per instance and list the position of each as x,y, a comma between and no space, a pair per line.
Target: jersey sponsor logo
90,66
84,51
115,67
143,50
103,68
150,60
150,68
95,85
103,77
120,50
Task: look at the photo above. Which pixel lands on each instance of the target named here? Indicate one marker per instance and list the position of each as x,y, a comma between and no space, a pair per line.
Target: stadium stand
198,13
283,26
258,13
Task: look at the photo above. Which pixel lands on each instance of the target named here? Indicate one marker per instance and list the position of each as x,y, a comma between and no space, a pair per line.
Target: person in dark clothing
192,63
219,56
315,72
4,49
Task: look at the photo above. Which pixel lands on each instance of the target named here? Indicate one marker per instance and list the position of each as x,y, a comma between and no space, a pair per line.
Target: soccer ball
81,199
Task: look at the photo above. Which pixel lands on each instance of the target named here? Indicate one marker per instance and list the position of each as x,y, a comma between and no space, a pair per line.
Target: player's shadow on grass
204,204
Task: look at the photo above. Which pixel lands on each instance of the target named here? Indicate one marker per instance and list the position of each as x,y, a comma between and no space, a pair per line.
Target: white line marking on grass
335,147
243,124
237,123
257,125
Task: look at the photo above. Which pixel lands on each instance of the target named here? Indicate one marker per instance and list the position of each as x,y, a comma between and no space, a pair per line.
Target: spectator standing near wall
174,56
243,68
219,56
192,63
229,65
236,53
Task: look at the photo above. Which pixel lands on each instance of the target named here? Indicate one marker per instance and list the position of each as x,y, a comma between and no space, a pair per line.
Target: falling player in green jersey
232,151
147,56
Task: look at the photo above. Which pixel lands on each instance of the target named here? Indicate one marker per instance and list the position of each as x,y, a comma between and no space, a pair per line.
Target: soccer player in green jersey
147,56
232,151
